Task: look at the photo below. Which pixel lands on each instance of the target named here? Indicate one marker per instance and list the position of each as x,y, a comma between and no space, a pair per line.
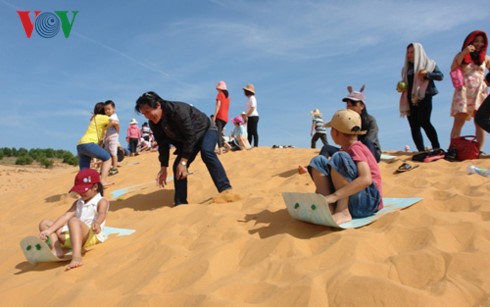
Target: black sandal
405,167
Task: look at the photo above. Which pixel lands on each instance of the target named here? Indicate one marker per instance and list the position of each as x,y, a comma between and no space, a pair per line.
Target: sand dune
243,249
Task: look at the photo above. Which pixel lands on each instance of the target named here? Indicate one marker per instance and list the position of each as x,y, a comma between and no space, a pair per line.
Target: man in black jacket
190,131
482,117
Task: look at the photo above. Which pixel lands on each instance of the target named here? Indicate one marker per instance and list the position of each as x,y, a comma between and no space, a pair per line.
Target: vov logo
47,24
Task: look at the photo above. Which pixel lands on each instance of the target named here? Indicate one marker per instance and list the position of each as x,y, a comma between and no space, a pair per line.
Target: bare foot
342,217
75,263
58,250
302,170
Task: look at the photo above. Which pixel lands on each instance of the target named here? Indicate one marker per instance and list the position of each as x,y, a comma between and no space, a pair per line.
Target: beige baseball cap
346,121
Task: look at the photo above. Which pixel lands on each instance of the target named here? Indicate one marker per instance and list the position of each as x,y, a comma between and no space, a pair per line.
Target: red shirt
223,109
360,153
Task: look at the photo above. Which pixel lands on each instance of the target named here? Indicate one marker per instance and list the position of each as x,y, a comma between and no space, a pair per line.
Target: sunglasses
352,102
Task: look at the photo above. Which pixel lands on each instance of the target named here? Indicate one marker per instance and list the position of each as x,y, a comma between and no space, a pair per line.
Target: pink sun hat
221,86
238,120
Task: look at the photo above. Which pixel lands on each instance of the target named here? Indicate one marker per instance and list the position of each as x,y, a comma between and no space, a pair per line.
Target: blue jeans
88,151
206,146
363,203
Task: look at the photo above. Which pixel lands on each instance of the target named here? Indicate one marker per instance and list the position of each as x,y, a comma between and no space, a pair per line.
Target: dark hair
364,118
144,124
99,108
487,77
150,99
248,93
110,102
226,93
100,188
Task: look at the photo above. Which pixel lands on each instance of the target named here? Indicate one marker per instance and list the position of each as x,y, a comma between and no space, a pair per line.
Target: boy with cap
83,224
351,179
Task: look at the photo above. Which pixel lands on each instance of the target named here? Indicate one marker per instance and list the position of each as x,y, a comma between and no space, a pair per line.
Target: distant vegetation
45,157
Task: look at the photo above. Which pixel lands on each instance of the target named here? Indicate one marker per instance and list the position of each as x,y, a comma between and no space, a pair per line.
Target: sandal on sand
113,171
405,167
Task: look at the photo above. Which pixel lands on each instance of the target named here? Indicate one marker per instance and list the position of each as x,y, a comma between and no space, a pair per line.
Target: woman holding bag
417,88
467,99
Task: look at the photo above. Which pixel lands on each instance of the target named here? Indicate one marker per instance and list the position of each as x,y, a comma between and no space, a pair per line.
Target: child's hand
96,227
331,198
44,235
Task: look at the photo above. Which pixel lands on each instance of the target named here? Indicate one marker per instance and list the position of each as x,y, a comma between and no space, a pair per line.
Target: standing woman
467,99
418,74
220,117
252,115
88,146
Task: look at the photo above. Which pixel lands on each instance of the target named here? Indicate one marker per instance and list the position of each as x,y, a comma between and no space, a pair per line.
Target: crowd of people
245,130
347,175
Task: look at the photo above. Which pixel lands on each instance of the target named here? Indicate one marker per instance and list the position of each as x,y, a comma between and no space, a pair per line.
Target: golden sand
242,248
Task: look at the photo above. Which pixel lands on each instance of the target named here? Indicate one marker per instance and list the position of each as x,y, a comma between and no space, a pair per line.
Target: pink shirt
360,153
133,132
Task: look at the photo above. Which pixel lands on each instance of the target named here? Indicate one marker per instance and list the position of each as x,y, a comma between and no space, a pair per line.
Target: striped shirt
318,122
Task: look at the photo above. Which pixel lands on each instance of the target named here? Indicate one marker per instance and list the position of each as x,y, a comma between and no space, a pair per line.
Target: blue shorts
363,203
88,151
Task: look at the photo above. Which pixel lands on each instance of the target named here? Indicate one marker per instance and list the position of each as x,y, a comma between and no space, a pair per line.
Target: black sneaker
451,154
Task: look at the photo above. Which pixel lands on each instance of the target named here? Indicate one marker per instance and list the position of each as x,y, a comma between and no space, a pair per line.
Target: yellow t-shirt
95,130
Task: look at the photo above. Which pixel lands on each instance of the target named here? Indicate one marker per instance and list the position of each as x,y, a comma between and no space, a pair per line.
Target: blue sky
300,55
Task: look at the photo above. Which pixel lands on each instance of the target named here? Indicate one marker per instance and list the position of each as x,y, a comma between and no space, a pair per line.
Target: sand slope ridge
241,248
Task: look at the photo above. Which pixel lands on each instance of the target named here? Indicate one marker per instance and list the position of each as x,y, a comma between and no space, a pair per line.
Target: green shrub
7,152
24,160
50,153
26,157
70,159
47,163
22,152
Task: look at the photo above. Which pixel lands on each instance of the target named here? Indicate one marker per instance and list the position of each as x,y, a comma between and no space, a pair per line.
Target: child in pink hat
238,135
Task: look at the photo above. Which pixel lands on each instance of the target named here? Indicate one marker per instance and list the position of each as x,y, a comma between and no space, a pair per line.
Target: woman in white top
252,115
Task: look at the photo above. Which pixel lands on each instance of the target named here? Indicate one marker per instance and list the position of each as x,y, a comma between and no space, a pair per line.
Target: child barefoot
83,224
238,136
351,179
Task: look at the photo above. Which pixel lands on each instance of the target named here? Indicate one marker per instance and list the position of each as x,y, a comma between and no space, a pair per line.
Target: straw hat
133,121
249,87
316,113
346,121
